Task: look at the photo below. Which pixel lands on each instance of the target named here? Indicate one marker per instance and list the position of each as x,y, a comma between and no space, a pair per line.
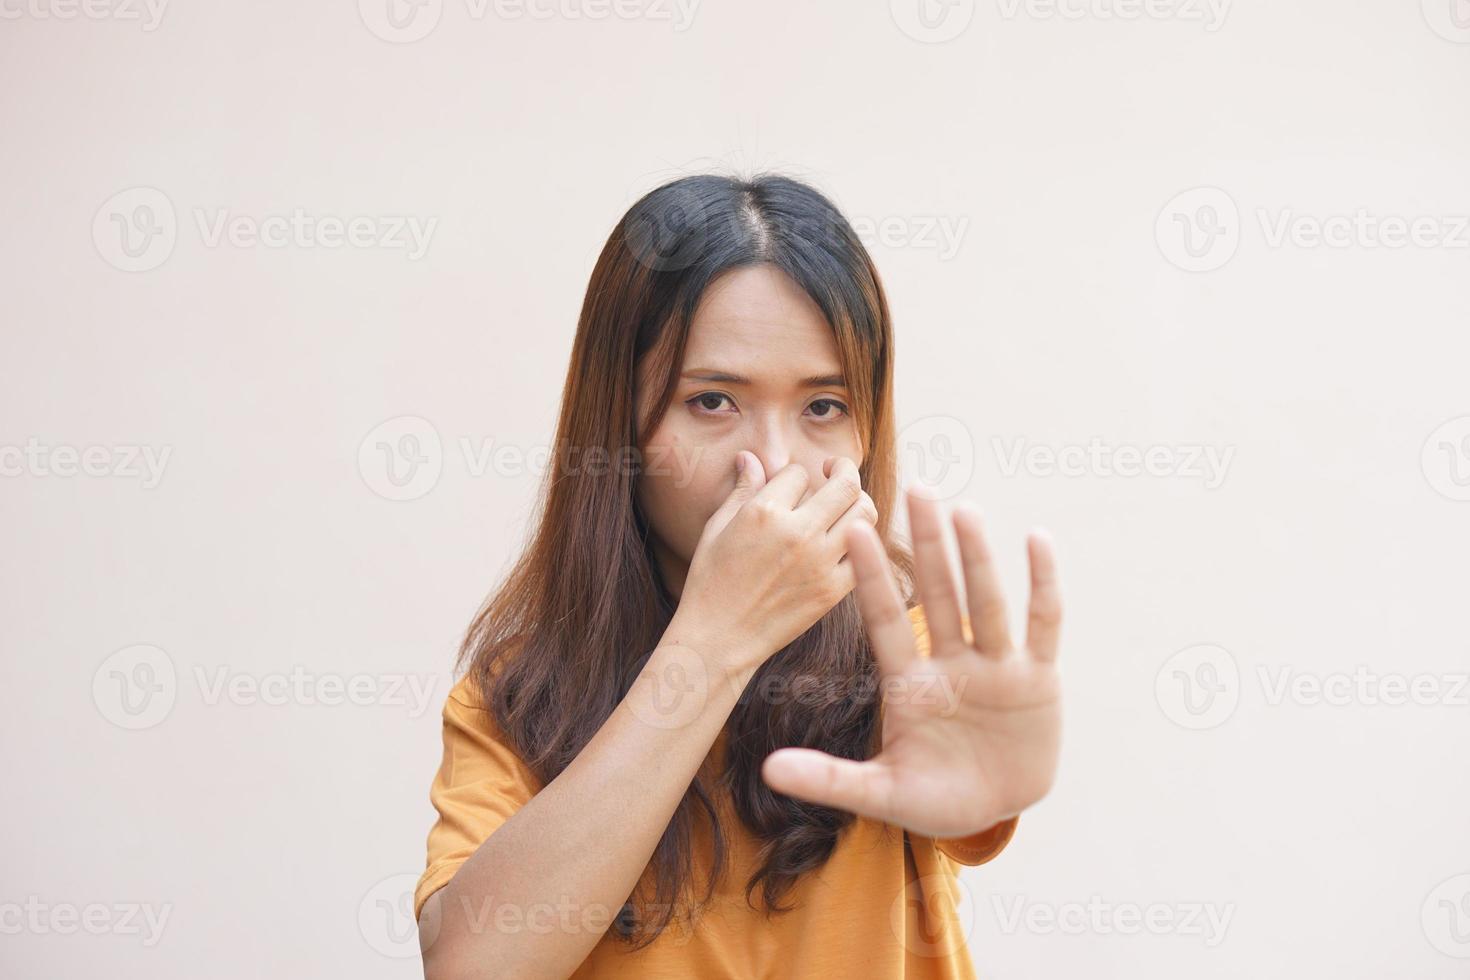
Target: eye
829,404
701,402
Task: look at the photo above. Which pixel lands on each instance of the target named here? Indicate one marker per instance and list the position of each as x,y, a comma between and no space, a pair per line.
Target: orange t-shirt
884,905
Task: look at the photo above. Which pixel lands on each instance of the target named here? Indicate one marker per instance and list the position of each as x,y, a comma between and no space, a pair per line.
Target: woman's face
756,344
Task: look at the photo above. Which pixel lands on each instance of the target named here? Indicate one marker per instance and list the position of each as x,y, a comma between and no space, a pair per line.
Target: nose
772,445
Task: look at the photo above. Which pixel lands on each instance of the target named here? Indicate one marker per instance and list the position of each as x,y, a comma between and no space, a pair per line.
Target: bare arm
766,568
541,891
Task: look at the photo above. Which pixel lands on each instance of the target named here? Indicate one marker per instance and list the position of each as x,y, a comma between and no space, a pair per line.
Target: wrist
730,654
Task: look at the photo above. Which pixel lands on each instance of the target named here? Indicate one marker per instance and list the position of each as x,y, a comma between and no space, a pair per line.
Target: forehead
756,320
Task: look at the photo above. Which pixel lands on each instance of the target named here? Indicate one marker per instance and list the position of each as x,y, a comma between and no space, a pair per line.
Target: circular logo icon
932,21
135,230
1445,459
1199,229
1450,19
400,21
136,687
402,458
1445,916
939,452
669,231
386,921
674,693
933,915
1198,687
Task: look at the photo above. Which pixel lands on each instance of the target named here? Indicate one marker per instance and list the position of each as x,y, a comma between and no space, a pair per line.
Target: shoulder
466,692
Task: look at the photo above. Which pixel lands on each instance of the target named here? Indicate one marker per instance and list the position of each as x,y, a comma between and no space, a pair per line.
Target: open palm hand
972,730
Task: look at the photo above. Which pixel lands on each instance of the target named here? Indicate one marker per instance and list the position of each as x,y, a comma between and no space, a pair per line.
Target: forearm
540,892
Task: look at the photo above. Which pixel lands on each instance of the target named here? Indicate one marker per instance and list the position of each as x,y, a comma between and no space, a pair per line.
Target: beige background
179,645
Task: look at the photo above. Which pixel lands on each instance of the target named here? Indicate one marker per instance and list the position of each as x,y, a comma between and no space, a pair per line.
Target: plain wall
1079,220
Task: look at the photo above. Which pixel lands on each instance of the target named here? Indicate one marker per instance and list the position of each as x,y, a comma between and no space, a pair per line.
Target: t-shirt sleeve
979,848
481,783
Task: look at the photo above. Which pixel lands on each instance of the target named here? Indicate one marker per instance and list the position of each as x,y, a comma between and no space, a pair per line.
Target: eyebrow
815,381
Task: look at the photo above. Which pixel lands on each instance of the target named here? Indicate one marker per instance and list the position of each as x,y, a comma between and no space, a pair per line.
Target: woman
708,727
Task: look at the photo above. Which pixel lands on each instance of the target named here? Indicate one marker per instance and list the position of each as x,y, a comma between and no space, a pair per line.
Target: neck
672,569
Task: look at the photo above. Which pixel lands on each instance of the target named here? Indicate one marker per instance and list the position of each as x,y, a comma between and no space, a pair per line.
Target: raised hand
973,735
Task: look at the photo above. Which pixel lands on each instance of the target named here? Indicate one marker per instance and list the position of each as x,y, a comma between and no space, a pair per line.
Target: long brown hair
557,646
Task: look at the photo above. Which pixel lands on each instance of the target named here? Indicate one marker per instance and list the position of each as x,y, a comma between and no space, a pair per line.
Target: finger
862,510
842,489
748,480
936,585
864,788
890,630
1044,620
988,617
786,486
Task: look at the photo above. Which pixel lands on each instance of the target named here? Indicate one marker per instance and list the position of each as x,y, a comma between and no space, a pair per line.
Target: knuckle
848,487
1046,609
761,512
791,532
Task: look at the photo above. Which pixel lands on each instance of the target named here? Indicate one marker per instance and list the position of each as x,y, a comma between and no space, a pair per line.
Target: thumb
865,788
750,476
